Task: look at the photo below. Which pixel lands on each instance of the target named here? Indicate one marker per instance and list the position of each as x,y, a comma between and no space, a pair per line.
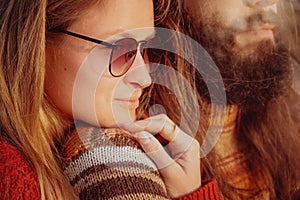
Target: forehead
214,2
198,6
115,17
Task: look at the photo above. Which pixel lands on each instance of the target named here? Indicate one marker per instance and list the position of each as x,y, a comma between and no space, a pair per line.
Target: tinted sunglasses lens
123,56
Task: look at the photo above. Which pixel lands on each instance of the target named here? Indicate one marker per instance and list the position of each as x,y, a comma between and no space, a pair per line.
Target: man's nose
139,73
260,3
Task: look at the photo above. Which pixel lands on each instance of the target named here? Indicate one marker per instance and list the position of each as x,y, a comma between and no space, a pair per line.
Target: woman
35,116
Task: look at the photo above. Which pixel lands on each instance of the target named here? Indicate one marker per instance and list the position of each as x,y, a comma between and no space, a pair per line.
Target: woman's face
77,75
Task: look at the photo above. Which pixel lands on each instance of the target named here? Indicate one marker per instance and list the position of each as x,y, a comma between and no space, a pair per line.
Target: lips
132,102
262,33
254,35
129,100
268,26
265,27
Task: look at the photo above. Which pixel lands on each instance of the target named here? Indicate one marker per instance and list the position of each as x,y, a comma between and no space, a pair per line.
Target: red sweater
208,191
19,180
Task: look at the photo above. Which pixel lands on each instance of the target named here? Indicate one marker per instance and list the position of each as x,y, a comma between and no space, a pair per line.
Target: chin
133,116
120,118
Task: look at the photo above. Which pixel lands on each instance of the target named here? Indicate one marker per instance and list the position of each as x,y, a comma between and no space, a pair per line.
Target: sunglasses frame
110,45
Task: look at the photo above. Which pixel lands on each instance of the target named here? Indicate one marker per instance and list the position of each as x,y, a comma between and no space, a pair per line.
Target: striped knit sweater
109,164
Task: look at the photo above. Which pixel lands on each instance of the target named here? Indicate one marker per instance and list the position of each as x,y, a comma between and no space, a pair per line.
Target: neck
225,121
231,160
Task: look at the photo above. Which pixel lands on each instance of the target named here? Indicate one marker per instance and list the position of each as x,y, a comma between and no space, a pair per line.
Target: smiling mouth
131,103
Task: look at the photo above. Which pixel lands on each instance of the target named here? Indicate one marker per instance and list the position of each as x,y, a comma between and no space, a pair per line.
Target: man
257,154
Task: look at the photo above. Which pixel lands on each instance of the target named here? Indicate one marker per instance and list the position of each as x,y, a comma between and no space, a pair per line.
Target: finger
154,150
168,130
184,146
155,124
172,171
180,144
179,141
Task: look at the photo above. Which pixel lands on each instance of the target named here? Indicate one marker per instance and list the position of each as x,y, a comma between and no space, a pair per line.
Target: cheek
105,89
107,113
109,110
61,70
72,78
92,93
93,79
227,12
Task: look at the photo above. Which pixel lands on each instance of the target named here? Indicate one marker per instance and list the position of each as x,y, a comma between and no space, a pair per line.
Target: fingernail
144,137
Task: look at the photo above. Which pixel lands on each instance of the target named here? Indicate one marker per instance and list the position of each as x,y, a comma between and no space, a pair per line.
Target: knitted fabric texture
109,164
18,180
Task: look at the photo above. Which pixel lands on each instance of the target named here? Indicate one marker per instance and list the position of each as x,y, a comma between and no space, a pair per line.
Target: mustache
255,20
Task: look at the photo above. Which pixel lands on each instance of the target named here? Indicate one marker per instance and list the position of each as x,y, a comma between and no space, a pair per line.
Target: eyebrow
129,35
120,33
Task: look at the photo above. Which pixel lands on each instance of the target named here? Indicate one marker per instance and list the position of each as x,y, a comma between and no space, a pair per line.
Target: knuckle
195,146
152,149
163,117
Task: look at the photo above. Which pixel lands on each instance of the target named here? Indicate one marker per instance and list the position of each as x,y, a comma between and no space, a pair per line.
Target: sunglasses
123,52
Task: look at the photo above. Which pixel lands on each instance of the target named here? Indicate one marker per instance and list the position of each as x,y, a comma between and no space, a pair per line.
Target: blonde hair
28,119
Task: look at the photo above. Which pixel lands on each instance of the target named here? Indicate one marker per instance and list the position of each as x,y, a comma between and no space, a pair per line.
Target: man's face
245,22
242,38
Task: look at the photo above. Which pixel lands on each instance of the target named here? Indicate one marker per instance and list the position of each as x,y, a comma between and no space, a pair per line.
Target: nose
138,74
260,3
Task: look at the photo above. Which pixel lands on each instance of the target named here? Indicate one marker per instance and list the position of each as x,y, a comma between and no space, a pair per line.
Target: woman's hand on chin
178,160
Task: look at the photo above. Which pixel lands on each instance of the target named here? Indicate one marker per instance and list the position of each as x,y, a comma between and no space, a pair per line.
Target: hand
178,162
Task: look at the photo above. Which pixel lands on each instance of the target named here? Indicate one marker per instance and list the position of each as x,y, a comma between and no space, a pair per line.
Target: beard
250,79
